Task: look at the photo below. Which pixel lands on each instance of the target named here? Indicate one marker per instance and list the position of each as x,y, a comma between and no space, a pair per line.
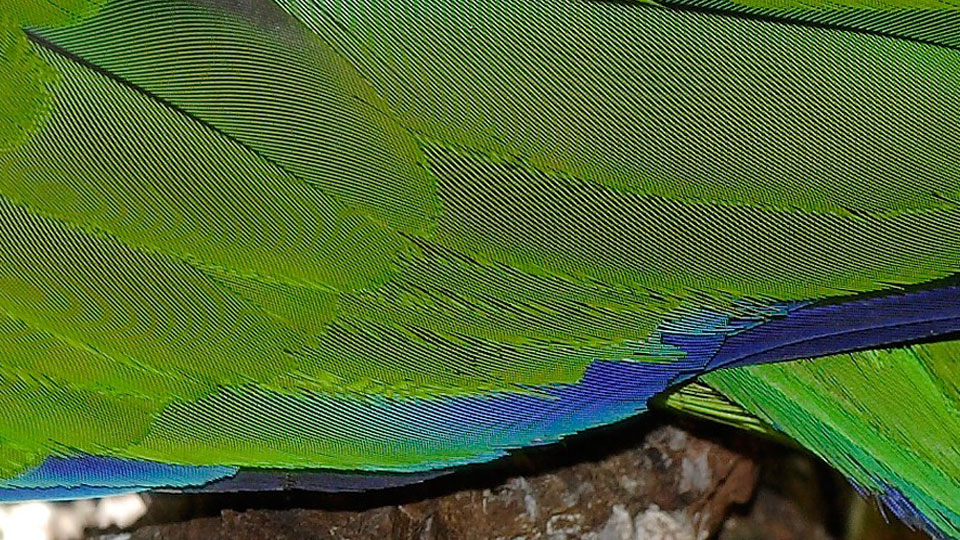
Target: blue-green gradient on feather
407,235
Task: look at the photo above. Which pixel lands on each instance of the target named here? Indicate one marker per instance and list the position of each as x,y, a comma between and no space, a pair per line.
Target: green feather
216,222
885,419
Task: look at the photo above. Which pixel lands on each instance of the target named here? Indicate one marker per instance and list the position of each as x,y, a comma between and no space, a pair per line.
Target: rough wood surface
673,485
640,482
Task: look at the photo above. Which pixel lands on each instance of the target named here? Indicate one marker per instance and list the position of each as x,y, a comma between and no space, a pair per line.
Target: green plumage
287,234
886,419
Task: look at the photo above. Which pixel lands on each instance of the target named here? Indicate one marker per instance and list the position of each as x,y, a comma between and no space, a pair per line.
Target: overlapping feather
408,235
